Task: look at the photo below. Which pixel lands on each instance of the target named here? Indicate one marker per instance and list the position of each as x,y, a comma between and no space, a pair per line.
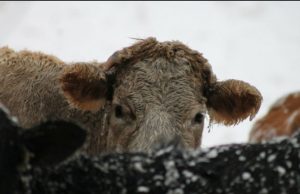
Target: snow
172,173
281,170
246,176
139,167
257,42
242,158
271,157
212,154
143,189
262,155
289,164
176,191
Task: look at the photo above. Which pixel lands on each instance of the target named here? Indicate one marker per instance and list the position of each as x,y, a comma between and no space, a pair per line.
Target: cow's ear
53,141
232,101
84,86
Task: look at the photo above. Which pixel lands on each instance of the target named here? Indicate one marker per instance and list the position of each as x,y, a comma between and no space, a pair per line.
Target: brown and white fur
283,119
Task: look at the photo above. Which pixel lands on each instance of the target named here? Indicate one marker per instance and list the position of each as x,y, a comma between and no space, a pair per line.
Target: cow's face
156,100
160,91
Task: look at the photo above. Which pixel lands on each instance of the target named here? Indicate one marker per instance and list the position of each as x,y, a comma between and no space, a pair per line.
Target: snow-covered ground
258,42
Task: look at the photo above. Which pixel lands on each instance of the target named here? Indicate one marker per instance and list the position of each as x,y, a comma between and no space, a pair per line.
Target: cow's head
158,90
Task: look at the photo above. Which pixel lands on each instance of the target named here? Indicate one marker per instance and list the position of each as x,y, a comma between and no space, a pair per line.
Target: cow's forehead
161,83
160,63
160,69
159,73
151,48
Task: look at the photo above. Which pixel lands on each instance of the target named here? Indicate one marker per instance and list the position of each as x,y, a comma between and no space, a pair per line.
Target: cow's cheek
124,140
197,134
192,137
120,137
114,134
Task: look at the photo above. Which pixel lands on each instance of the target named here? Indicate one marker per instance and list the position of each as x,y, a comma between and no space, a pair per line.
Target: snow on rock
143,189
246,176
271,167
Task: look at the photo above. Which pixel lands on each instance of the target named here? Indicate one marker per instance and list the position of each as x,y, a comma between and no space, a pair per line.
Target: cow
143,94
283,119
39,161
46,144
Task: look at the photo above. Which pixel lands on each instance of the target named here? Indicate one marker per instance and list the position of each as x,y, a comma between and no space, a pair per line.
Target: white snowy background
258,42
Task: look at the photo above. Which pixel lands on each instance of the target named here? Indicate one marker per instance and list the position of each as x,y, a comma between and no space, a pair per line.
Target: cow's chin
145,147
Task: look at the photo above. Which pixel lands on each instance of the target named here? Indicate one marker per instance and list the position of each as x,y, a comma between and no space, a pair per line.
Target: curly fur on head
150,48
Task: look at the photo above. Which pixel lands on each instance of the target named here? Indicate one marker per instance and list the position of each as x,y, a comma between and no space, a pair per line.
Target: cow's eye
119,111
198,119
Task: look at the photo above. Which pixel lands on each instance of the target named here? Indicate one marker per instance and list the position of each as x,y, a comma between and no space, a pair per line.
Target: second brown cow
283,119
